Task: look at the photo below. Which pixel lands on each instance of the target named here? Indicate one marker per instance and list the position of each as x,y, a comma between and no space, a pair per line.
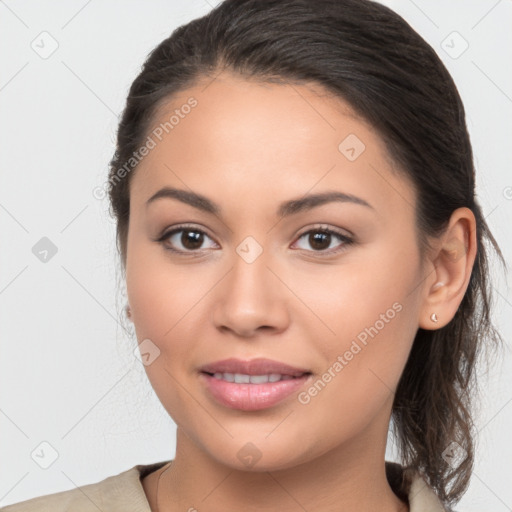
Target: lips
252,385
259,366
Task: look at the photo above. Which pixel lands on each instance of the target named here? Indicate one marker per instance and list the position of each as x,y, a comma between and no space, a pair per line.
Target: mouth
246,392
251,385
245,378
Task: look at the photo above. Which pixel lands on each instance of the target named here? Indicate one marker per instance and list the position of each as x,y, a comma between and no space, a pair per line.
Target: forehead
249,140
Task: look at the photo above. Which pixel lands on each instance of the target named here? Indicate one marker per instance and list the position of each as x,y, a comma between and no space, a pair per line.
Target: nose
251,299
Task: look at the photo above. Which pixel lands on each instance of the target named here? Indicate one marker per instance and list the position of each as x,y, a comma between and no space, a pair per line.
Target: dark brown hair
366,54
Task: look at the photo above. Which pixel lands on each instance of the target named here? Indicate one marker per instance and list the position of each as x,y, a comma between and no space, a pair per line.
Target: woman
304,257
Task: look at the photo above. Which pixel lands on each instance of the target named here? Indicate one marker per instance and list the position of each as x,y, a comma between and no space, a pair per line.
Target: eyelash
317,229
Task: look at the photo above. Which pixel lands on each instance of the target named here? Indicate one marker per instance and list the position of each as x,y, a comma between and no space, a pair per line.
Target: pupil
319,237
196,239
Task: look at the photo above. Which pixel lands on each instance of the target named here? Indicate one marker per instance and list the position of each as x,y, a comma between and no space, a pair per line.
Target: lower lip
251,397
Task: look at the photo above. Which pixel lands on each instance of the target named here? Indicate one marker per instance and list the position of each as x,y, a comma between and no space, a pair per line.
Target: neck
351,478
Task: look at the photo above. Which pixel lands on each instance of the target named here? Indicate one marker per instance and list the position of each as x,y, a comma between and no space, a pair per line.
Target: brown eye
320,240
191,239
185,240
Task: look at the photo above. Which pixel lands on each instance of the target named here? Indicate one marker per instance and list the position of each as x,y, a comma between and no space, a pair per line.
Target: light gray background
68,376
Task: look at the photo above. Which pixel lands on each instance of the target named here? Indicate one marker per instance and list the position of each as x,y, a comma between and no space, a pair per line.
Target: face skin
248,147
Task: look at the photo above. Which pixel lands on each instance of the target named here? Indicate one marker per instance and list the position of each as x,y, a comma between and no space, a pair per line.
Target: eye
321,238
187,239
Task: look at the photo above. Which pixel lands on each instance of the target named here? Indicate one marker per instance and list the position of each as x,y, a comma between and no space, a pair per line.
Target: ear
452,262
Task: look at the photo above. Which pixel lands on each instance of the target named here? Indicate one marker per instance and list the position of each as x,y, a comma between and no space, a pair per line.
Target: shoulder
411,486
121,492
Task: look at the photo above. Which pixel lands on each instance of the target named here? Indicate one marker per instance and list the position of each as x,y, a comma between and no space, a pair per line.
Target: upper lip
259,366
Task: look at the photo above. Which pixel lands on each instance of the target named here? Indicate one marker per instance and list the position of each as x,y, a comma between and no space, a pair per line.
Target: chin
259,456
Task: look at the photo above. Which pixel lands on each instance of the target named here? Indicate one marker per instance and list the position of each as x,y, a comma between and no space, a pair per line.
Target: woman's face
257,279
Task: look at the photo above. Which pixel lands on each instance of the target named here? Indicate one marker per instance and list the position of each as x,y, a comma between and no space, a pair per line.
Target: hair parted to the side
366,54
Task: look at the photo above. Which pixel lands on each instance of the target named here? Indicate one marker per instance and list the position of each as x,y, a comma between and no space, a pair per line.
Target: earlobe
434,307
453,264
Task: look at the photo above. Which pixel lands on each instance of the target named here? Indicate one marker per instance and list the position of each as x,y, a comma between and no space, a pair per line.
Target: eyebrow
285,209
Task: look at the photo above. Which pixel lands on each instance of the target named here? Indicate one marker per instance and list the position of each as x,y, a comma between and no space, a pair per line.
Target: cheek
371,316
163,298
363,368
366,293
169,305
161,293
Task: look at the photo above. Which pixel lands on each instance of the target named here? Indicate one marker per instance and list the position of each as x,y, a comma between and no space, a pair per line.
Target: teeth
242,378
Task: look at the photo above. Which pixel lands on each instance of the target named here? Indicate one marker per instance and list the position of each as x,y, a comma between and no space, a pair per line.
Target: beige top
124,493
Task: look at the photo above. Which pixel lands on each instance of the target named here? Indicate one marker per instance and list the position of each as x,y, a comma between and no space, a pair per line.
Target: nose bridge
250,273
251,296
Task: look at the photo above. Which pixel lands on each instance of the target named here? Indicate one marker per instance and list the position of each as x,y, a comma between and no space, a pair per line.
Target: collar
409,485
